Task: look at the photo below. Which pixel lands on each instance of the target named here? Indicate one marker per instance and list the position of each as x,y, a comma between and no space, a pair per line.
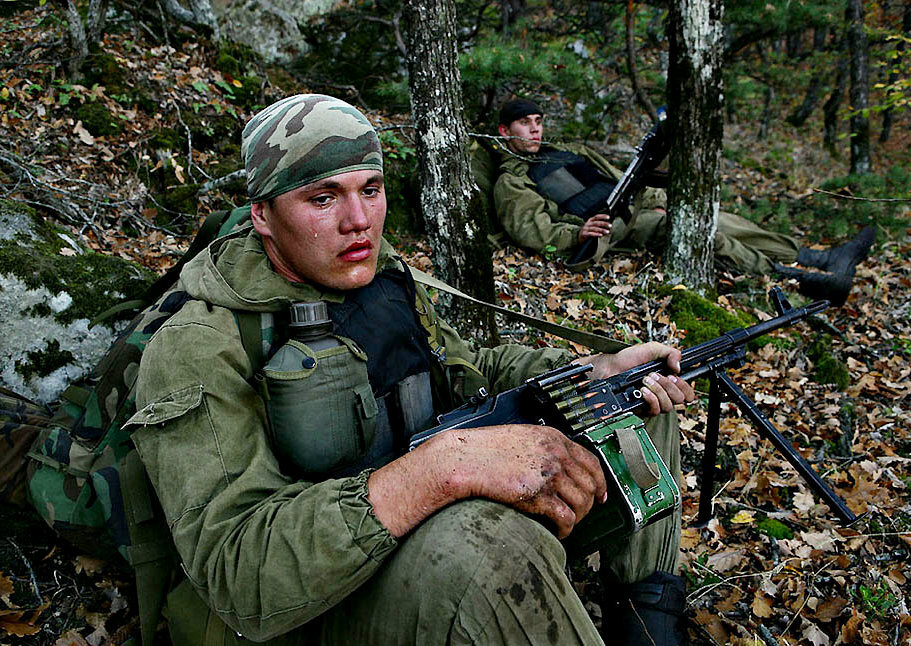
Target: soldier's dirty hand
596,226
535,469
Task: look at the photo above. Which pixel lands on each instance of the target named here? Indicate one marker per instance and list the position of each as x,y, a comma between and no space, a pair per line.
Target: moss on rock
93,281
702,319
98,120
165,139
827,368
211,129
102,68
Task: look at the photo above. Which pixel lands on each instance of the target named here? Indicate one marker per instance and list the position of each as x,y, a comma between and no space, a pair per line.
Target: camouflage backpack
82,473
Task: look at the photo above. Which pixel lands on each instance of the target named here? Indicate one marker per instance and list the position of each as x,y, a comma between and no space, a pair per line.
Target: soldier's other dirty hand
535,469
596,226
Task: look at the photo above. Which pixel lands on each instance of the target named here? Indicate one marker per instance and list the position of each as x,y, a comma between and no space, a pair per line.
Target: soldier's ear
503,130
260,219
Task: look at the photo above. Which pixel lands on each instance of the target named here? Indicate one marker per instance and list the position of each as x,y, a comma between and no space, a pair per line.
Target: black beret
516,109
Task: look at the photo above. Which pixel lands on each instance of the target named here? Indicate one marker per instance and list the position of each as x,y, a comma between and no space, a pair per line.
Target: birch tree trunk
450,202
859,90
696,125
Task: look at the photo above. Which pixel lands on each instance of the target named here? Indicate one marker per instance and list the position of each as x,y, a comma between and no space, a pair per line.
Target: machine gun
650,152
601,415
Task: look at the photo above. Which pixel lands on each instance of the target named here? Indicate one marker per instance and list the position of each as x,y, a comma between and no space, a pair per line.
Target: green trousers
739,244
476,572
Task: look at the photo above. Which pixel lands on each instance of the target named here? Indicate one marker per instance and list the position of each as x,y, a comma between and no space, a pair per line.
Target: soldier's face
529,130
327,232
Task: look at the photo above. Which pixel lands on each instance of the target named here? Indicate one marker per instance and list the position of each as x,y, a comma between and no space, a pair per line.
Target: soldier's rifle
650,152
601,415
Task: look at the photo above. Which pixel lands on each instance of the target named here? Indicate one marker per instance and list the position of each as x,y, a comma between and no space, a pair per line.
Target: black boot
839,260
818,286
647,613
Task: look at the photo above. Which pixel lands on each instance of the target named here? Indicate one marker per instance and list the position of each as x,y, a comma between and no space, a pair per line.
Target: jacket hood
234,272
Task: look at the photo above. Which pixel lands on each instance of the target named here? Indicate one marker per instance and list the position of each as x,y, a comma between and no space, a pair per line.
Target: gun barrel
698,355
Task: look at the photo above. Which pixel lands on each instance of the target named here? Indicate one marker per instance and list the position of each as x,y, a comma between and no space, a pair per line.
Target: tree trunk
860,87
767,113
449,197
78,40
95,19
830,109
644,102
696,102
814,88
894,75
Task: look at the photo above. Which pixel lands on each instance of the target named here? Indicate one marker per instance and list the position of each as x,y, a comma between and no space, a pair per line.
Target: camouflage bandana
305,138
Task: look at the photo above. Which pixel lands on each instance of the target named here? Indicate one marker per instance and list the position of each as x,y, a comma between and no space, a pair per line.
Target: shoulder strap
596,342
251,335
151,552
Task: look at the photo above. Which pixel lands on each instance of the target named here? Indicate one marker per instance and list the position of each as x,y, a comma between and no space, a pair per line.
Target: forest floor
773,566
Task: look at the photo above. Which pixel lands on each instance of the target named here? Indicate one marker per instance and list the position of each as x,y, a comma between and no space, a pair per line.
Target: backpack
81,472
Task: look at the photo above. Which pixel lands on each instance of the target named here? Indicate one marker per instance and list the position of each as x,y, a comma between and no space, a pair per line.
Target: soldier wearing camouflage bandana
349,539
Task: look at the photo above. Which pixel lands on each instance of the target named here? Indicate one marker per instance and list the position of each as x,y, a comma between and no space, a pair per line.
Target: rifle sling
596,342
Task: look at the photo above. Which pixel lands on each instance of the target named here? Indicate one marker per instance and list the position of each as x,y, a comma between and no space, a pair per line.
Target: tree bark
696,106
860,87
78,40
814,88
449,197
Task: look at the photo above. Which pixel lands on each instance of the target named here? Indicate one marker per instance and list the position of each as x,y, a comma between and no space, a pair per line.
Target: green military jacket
267,552
533,221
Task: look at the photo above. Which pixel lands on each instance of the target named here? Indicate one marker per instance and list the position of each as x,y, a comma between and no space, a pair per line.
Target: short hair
516,109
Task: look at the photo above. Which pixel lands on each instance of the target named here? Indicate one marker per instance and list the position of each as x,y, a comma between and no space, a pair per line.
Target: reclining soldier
538,187
303,519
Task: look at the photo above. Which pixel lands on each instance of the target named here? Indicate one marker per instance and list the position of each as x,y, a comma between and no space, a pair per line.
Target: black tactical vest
381,319
571,181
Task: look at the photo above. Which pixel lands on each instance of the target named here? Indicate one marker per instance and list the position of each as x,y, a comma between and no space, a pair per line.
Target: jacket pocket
322,413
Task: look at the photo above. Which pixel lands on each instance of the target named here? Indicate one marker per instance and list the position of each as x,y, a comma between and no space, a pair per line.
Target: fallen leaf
713,624
743,517
724,561
761,606
830,609
13,624
71,638
814,635
84,135
88,564
6,588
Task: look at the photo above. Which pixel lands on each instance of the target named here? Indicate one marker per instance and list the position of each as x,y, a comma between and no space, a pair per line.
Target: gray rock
50,290
270,27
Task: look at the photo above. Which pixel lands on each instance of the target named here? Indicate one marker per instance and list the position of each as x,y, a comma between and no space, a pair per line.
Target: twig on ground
28,566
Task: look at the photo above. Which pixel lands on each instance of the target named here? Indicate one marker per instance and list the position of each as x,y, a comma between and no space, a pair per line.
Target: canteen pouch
322,413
